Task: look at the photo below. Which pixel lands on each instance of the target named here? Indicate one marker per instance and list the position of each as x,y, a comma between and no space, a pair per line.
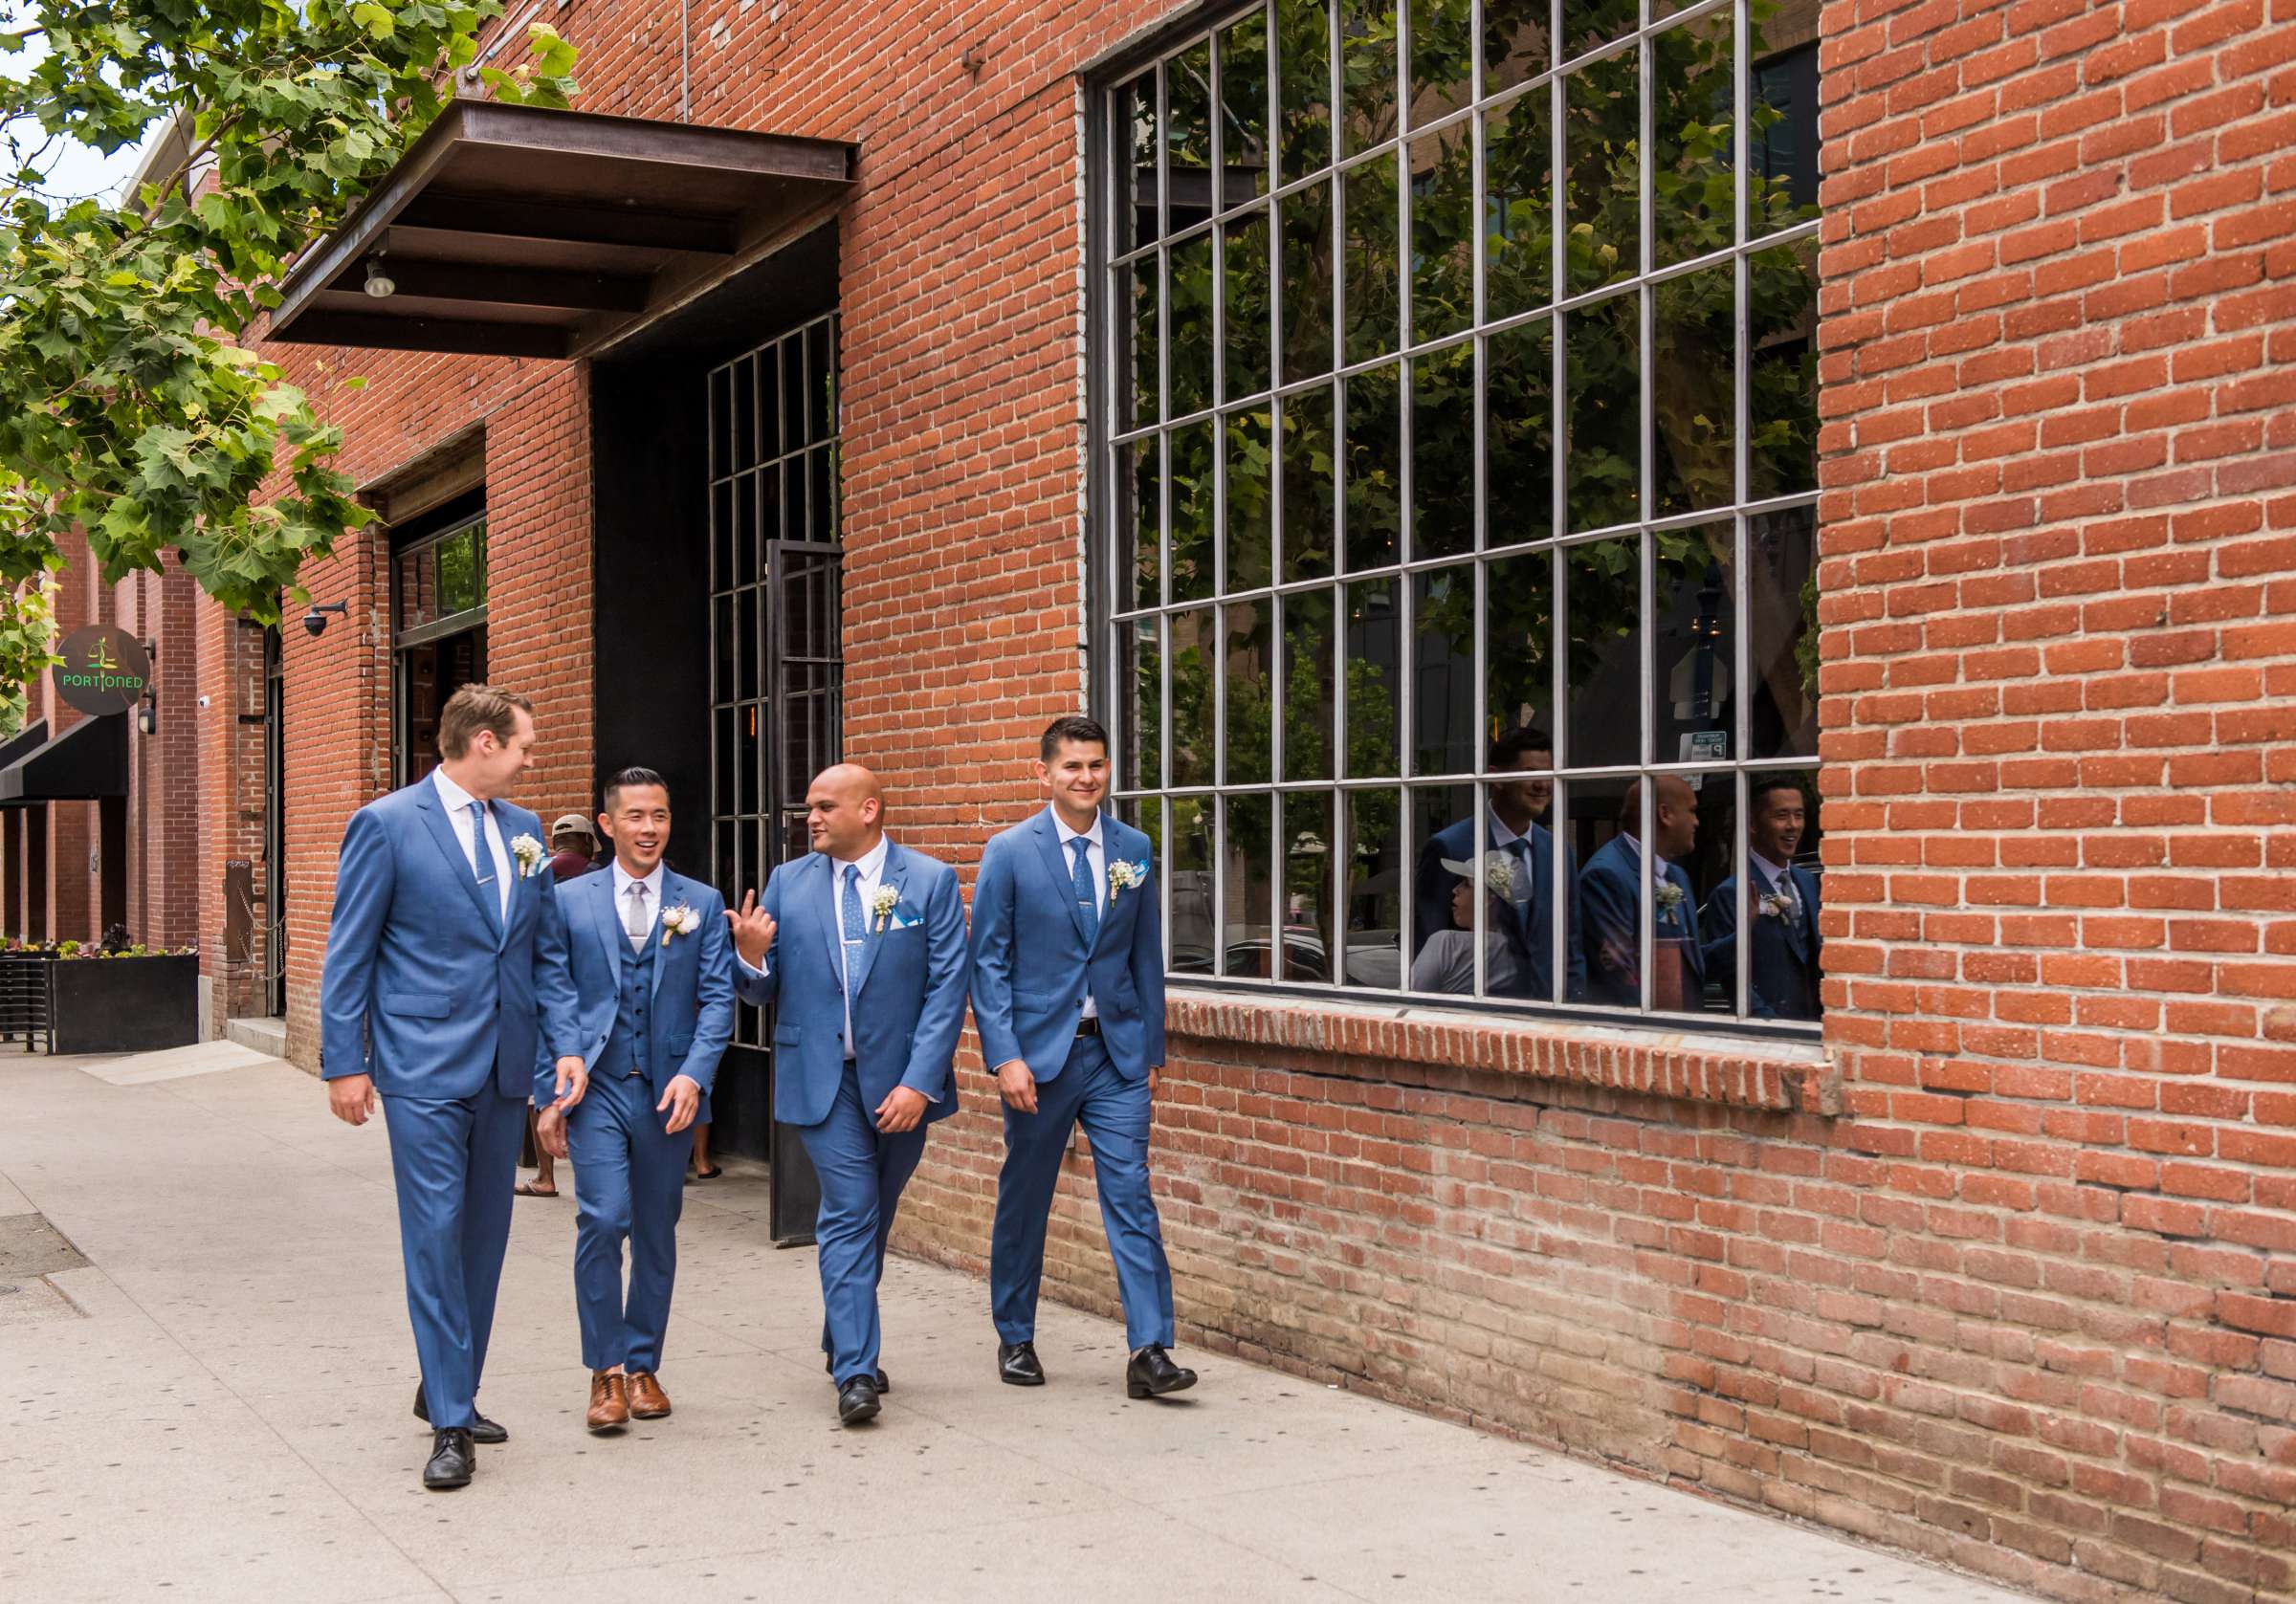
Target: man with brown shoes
653,966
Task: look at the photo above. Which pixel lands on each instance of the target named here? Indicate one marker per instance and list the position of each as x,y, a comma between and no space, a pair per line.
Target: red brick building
1321,395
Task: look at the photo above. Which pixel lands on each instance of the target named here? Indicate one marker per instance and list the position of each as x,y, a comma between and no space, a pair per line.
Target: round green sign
104,669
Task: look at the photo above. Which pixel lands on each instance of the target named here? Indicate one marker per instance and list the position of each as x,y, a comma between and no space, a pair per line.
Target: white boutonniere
1669,898
680,920
1124,876
1779,904
528,851
882,902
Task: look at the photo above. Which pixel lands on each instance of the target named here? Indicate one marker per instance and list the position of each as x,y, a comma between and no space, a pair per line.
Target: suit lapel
674,892
1064,878
1804,927
442,831
896,875
832,923
608,927
1112,849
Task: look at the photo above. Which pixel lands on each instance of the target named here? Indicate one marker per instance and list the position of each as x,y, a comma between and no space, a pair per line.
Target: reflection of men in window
1612,891
1516,807
1781,901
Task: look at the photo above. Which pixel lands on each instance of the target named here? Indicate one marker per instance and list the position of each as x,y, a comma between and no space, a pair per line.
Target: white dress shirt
458,812
1096,856
650,902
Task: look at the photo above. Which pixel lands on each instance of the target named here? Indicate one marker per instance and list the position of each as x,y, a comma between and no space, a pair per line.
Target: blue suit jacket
421,988
693,1016
1531,934
1783,968
1610,889
1031,965
908,990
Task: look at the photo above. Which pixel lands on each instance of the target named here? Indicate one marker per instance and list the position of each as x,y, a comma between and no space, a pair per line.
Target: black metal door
272,945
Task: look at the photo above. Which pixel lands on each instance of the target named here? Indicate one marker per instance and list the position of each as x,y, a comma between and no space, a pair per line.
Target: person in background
1783,969
1611,889
1446,963
573,847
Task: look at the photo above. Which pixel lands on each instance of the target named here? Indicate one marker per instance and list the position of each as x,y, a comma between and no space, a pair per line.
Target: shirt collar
870,862
1503,835
624,880
457,799
1658,864
1775,873
1066,835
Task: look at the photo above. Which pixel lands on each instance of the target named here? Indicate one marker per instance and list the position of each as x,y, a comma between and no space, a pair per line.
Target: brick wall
2007,1276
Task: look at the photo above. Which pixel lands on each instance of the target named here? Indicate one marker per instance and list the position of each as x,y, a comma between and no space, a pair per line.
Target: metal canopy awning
513,230
85,763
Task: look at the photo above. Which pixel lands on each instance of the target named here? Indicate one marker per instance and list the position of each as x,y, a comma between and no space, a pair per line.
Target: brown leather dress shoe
647,1399
609,1402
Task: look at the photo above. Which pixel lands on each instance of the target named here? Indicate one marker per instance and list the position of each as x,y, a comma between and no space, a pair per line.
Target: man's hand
352,1099
753,931
903,1107
1016,1085
1153,1071
550,1132
571,1072
682,1098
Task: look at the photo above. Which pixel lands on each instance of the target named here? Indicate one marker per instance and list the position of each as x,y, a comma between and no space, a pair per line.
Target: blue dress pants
862,1172
629,1186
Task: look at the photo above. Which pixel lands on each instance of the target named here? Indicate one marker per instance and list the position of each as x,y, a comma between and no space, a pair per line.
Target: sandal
710,1174
527,1189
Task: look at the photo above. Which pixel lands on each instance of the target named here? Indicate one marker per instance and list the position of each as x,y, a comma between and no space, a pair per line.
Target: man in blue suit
1611,889
859,947
1514,830
1783,969
445,978
1069,999
653,970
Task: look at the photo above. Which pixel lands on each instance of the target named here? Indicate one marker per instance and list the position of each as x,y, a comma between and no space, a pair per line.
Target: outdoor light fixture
380,285
315,622
147,716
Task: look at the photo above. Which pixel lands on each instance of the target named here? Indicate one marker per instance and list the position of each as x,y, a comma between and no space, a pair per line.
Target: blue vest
633,1040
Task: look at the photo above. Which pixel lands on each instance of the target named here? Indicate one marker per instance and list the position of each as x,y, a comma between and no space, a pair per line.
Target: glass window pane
1443,671
1519,207
1608,963
1188,928
1143,722
1190,352
721,536
417,598
1141,469
742,437
1249,683
1693,370
1135,158
1303,49
1367,69
1250,329
745,524
821,498
1694,636
1244,99
1784,898
1306,891
1518,434
1247,887
1310,707
1194,656
1590,24
1443,232
1694,162
763,376
793,394
1442,921
1374,317
1192,473
1514,42
721,419
1781,377
820,381
726,759
1137,294
1306,220
721,642
1518,607
1374,674
1782,128
1607,413
1696,869
1602,136
1189,135
1603,590
1782,611
1443,57
1442,454
1249,462
749,750
745,631
773,523
1309,458
1373,908
1373,483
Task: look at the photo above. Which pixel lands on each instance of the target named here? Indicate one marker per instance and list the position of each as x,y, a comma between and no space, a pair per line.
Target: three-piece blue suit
1610,893
907,972
446,1001
1045,936
645,1015
1783,969
1530,932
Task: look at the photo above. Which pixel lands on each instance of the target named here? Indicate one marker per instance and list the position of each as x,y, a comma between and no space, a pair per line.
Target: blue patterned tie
1519,850
482,866
1087,905
850,908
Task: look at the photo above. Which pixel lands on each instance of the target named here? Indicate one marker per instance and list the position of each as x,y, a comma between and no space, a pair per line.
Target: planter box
124,1005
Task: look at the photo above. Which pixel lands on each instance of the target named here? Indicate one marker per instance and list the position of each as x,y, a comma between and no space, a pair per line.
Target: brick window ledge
1784,1076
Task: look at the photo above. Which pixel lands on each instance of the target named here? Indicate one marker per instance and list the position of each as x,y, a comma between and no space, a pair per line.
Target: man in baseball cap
573,843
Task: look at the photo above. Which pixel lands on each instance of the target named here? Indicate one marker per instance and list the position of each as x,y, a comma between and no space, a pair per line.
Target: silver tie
636,924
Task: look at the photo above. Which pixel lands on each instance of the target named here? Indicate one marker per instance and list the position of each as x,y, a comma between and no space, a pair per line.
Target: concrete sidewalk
214,1405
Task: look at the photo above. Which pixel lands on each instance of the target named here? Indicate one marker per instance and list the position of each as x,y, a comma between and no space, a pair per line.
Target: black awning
513,230
87,761
30,738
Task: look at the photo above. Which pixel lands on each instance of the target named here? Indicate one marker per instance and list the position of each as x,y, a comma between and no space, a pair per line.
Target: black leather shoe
830,1365
857,1400
482,1429
1152,1373
451,1460
1017,1365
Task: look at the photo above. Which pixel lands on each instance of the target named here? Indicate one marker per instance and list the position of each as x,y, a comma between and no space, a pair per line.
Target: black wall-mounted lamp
315,622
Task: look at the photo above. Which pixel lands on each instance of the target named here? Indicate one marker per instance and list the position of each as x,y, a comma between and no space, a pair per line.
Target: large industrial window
1455,432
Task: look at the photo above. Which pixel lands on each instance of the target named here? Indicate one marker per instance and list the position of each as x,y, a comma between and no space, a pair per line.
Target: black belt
1089,1027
